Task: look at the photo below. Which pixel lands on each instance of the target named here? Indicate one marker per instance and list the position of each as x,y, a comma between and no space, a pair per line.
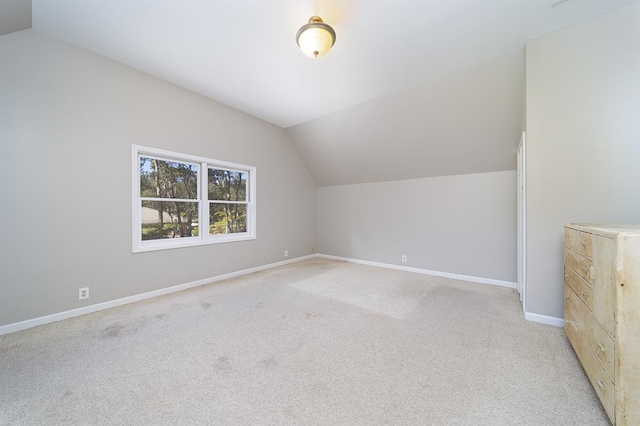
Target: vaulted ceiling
410,89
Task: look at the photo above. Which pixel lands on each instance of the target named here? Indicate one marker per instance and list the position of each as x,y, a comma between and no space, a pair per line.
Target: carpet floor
317,342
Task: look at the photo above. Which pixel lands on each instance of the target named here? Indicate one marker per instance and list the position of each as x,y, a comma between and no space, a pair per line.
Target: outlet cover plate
83,293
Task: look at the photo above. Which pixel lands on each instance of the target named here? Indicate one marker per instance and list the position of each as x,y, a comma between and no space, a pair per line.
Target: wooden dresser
602,312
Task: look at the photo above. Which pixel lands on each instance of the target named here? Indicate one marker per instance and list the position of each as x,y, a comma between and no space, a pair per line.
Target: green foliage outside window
227,193
167,180
169,192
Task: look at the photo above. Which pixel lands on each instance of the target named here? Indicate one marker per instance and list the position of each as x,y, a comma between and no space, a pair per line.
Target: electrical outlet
286,253
83,293
404,258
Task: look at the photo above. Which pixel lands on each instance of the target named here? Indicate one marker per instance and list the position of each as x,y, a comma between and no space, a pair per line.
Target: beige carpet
317,342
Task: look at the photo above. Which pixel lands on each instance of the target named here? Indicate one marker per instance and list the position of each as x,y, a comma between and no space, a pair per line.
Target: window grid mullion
177,200
227,202
204,206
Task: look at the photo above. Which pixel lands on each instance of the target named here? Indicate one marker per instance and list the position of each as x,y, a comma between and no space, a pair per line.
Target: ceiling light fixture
315,38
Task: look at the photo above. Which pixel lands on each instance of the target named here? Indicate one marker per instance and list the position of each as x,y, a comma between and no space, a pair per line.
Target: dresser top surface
606,228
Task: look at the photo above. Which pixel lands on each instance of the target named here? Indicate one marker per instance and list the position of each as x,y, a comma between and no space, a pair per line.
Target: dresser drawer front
600,380
598,340
579,241
581,288
580,264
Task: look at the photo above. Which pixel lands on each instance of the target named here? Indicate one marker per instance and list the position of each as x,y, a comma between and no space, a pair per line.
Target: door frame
522,219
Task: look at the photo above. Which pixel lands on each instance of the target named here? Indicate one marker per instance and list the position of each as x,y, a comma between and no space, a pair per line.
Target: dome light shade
315,38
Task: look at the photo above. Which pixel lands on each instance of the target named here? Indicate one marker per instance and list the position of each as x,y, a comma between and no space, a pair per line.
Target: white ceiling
411,89
243,52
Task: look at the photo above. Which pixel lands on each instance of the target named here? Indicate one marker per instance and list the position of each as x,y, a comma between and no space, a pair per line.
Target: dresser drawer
580,264
600,380
598,340
579,241
580,287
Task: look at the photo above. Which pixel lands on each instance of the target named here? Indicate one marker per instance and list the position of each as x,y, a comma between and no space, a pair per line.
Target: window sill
155,246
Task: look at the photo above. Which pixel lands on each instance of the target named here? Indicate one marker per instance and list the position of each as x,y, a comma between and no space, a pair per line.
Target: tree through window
169,196
227,201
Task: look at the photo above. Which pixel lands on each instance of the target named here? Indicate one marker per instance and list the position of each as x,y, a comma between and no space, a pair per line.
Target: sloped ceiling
464,122
428,87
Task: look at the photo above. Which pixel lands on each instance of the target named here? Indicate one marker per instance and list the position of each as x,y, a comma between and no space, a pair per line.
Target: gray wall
15,15
583,136
68,119
463,224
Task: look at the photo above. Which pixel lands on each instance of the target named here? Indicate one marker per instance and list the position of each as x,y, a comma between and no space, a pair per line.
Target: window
182,200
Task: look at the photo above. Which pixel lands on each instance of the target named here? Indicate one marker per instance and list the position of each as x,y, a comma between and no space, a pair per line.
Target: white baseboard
543,319
470,278
23,325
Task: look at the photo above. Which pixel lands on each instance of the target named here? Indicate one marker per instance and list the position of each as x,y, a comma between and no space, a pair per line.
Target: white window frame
204,238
